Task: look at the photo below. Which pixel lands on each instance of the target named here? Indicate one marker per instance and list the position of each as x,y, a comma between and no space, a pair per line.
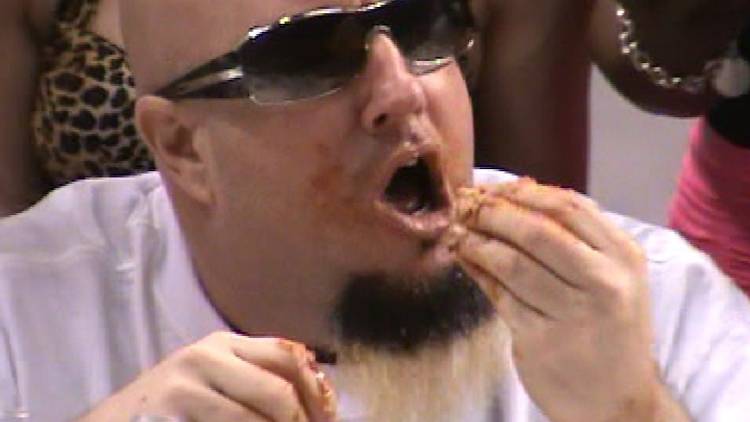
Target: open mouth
415,198
412,191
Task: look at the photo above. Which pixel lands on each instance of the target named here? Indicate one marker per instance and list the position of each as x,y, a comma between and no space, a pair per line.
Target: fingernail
455,235
327,394
287,345
470,240
512,189
312,363
467,204
303,357
462,208
323,388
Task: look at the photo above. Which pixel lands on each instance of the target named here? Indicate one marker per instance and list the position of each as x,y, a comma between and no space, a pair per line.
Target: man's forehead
166,38
264,12
271,10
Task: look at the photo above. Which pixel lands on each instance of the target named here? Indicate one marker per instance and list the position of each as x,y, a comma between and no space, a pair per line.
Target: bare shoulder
13,12
21,182
14,19
480,10
107,21
40,15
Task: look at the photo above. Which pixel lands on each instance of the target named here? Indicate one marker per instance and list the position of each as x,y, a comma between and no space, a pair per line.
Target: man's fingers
574,211
536,235
317,392
213,406
248,385
189,400
519,316
275,377
293,362
527,279
489,285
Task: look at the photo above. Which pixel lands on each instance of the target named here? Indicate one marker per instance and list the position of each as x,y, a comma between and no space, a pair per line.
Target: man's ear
171,137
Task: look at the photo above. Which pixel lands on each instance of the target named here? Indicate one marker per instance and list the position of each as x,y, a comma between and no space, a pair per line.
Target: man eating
314,205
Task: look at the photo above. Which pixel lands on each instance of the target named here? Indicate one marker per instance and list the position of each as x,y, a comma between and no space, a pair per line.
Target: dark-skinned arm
21,181
679,35
531,89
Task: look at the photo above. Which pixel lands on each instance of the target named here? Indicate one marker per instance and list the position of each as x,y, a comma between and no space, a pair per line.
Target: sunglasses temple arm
221,70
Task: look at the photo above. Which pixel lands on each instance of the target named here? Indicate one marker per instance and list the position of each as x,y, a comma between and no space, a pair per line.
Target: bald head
166,38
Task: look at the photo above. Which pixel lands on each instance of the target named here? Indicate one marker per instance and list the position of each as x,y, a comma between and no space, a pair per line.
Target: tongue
407,200
409,190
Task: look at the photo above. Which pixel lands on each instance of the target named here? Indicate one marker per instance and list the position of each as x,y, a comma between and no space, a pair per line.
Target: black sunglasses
316,53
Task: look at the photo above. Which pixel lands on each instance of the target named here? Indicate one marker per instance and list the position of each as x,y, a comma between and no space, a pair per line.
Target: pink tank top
711,206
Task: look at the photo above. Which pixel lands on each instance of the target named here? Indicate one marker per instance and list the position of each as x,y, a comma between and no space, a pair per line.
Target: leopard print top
83,118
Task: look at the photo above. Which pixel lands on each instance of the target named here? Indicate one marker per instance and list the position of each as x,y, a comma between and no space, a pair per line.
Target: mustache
405,314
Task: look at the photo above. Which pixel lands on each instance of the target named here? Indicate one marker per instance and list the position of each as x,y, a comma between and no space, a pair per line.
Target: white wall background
634,156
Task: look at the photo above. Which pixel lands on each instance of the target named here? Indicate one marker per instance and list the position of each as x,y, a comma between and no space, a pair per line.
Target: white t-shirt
96,285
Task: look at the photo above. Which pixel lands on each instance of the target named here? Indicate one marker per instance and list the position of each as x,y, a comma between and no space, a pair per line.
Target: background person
67,99
711,206
529,74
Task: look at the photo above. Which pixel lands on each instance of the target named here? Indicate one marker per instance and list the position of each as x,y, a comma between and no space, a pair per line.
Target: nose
391,93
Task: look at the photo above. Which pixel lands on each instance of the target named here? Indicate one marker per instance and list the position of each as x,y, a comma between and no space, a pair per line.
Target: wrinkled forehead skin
166,38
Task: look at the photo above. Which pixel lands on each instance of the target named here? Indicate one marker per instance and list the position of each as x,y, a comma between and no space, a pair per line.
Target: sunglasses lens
316,55
430,31
305,59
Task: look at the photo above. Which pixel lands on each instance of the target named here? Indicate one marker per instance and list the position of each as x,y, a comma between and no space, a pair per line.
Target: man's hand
227,377
572,288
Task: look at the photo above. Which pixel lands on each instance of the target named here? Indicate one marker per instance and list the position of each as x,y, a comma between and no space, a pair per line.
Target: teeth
412,206
411,189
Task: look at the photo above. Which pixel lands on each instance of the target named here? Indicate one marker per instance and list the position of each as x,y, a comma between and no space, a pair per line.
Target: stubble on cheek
326,184
331,206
